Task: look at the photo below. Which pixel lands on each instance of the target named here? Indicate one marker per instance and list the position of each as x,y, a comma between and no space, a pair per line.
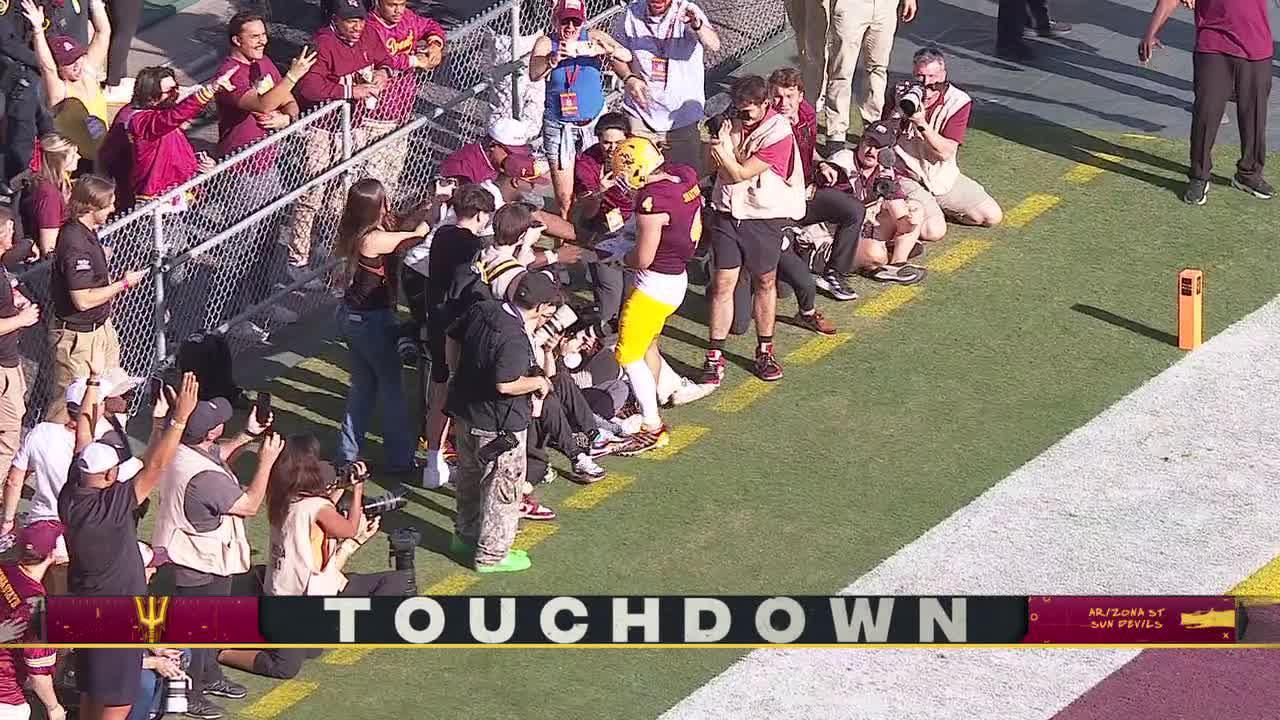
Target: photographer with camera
759,190
491,399
200,521
933,115
306,502
890,234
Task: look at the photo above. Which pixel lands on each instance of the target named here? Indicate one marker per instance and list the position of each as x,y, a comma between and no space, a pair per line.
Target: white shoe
689,391
630,426
586,470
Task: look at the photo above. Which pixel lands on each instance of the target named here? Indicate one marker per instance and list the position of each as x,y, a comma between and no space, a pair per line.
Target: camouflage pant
488,494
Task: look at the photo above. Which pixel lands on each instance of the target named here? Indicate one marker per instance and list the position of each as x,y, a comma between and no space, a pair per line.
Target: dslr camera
885,183
557,324
720,110
909,97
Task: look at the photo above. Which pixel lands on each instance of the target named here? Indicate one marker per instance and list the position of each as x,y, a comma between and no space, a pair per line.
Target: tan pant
810,21
73,353
323,150
858,29
13,405
682,145
959,203
386,164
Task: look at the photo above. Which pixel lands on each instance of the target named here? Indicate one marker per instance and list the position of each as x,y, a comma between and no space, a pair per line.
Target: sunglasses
570,22
940,85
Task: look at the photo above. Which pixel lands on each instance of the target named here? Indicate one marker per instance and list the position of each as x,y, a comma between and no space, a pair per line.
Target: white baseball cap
508,131
98,457
113,383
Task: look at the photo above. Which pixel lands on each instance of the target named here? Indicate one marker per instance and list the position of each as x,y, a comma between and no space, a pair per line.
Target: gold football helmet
635,160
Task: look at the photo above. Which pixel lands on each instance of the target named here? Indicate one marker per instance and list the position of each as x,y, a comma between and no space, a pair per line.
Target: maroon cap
571,10
39,539
524,167
66,50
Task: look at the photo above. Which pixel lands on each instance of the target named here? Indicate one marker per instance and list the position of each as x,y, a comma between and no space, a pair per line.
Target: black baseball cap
349,10
208,415
879,135
535,289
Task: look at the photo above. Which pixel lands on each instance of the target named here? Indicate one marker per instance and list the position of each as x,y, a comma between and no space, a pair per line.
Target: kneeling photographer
890,233
305,501
491,398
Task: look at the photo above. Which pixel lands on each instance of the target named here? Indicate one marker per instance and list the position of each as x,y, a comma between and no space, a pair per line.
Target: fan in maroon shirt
603,204
261,99
22,595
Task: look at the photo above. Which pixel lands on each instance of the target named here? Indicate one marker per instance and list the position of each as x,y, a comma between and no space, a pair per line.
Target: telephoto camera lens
378,506
911,99
401,545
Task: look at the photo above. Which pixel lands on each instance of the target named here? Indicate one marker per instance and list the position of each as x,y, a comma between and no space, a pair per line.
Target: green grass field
937,394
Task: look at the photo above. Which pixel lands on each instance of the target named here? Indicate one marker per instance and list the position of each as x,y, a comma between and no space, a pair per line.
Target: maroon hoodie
806,132
336,66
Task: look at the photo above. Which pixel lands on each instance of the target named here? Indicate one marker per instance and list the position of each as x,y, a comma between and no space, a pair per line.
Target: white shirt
678,102
47,452
450,218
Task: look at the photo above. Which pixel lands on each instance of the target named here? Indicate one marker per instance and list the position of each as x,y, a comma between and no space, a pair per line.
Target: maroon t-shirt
681,201
238,128
470,162
587,170
1239,28
48,207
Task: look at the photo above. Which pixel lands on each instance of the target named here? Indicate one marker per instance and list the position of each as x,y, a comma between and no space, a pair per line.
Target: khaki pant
323,150
681,145
386,164
73,352
858,29
13,405
488,494
810,21
959,203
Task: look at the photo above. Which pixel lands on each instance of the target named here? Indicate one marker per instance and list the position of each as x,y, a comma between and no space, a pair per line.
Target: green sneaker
511,563
458,546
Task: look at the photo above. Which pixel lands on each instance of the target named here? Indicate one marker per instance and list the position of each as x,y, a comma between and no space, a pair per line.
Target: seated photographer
934,116
825,205
311,542
890,234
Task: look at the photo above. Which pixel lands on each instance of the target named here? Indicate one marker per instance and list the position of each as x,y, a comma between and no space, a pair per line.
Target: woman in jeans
570,58
311,541
368,321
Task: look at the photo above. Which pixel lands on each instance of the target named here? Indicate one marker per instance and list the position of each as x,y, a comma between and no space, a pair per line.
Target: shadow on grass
1126,324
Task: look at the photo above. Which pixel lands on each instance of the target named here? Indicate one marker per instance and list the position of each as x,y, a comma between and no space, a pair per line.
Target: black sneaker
1256,187
836,286
1197,192
1054,29
227,689
202,708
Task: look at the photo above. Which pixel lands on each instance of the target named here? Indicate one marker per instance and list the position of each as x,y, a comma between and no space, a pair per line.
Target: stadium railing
215,244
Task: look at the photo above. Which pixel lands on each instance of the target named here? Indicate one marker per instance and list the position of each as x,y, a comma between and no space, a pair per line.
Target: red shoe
531,509
713,368
767,366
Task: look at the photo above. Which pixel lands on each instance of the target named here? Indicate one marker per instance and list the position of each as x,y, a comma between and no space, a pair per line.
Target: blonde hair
55,151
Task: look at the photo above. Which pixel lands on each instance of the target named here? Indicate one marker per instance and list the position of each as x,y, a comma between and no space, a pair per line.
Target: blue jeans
375,377
151,696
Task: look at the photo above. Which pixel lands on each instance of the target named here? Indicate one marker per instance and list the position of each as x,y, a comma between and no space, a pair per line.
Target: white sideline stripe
1171,490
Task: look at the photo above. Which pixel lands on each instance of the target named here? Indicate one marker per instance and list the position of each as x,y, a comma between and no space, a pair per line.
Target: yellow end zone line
1029,209
596,493
681,437
280,698
887,301
744,395
958,256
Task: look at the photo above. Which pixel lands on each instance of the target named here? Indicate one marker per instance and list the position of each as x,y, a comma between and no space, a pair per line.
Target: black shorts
109,677
757,244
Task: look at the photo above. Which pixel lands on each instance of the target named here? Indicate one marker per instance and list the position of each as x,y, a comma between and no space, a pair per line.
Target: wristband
178,424
125,281
93,383
696,28
628,77
292,79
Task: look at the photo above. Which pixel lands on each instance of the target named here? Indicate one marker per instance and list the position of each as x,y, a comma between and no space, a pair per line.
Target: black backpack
209,356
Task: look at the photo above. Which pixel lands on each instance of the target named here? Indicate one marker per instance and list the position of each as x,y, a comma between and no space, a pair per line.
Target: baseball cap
349,10
208,415
66,50
879,135
571,10
41,539
509,133
98,457
523,167
113,383
535,289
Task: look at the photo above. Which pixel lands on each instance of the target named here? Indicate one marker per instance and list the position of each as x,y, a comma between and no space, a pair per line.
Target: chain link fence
246,248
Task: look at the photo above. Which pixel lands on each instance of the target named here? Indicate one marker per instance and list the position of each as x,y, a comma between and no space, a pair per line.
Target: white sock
646,391
668,381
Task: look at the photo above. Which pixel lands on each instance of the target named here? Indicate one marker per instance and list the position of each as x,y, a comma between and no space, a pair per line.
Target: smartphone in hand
262,408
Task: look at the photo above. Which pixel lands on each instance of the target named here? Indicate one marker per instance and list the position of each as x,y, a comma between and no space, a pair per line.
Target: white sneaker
630,426
586,470
689,391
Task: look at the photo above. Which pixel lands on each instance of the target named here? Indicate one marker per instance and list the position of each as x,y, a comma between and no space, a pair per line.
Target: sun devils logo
152,612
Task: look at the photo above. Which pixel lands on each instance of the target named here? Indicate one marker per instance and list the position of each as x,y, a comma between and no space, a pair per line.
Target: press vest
224,551
938,177
767,196
298,553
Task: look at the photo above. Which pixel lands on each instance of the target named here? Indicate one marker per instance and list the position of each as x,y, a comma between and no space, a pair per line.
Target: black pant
1038,14
832,206
1215,79
25,118
564,412
1011,20
205,670
793,271
124,16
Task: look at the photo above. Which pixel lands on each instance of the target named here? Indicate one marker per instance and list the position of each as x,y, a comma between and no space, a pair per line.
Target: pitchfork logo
152,612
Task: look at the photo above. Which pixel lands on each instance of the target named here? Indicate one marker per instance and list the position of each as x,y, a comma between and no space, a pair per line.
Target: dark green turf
851,458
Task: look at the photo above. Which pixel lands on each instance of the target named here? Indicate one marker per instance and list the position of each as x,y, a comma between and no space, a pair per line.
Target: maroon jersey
586,178
16,588
682,201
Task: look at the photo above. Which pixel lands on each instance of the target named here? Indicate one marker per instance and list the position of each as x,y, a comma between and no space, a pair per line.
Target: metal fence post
515,55
159,275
